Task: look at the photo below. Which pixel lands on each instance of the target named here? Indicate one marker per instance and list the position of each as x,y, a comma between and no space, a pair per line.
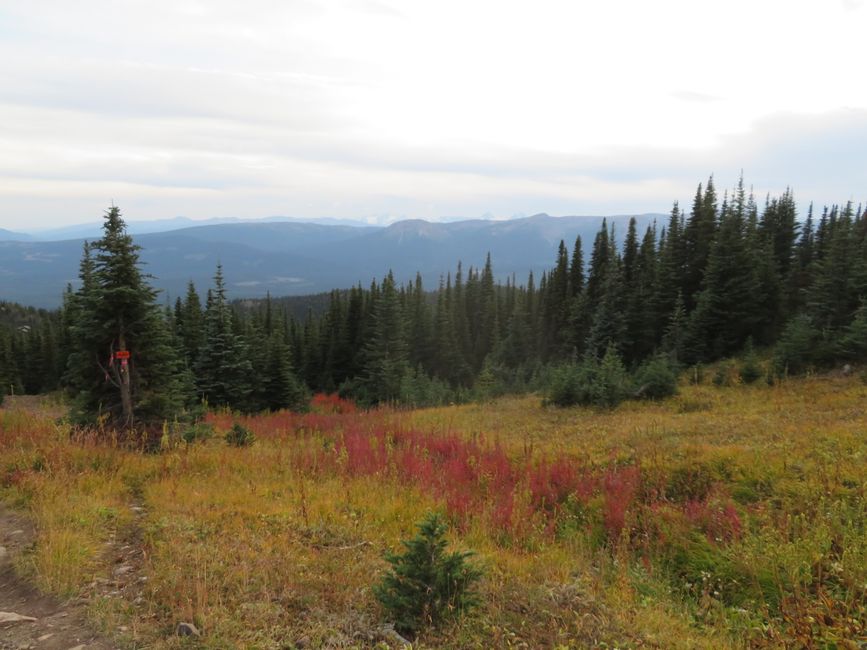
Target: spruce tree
223,370
386,359
122,368
426,583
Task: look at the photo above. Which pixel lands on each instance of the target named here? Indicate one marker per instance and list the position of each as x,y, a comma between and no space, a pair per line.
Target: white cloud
361,109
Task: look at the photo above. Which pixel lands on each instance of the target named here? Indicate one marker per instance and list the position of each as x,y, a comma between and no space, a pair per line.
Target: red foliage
719,521
620,485
474,480
551,484
331,403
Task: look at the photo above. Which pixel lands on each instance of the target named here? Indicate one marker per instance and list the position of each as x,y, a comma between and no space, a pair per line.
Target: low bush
656,379
750,370
197,432
426,584
795,350
725,375
602,383
240,436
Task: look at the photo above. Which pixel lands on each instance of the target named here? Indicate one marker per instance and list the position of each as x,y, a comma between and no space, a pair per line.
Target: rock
391,634
122,570
10,618
3,552
187,629
847,370
45,637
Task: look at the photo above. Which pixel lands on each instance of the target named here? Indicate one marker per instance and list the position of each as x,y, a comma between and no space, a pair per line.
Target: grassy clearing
723,517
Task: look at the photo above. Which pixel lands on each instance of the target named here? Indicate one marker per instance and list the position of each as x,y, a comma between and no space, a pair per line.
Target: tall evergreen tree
385,356
124,369
223,369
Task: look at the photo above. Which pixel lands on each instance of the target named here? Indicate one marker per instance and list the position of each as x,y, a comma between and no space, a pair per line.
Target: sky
378,110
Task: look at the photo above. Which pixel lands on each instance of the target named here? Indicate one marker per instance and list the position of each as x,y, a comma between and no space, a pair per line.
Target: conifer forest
729,274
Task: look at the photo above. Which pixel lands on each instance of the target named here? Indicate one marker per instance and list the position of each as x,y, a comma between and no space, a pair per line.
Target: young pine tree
426,583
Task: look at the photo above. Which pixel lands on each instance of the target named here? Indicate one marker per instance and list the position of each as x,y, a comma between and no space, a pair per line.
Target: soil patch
58,625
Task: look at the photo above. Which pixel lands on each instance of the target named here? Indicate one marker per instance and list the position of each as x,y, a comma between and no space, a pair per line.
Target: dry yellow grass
262,550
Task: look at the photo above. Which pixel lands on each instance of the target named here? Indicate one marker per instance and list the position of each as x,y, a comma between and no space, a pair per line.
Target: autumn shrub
331,403
620,487
426,584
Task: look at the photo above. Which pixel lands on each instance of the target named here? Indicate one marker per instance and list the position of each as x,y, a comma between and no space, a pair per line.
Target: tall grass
740,521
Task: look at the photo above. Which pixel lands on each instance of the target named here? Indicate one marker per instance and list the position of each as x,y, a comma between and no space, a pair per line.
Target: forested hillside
725,274
305,258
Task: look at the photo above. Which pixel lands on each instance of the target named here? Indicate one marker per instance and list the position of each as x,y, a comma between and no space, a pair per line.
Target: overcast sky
382,109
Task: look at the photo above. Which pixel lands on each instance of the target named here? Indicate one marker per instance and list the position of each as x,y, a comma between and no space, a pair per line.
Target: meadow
723,517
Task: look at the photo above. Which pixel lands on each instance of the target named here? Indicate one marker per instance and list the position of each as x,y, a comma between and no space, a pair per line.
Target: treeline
31,341
726,274
704,285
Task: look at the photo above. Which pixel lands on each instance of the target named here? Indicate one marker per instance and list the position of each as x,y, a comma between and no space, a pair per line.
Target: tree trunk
125,391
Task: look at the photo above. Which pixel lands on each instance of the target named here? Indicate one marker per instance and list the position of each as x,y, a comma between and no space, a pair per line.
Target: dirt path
57,625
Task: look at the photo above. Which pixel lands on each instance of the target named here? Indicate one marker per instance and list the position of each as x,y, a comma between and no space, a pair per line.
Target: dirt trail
58,626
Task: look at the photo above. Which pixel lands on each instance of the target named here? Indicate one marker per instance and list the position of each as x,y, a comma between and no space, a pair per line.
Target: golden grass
260,551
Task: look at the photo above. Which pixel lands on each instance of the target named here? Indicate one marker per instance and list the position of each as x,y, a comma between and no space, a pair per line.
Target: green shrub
240,436
570,384
418,389
197,432
852,345
750,370
656,379
725,374
611,384
796,348
427,585
594,383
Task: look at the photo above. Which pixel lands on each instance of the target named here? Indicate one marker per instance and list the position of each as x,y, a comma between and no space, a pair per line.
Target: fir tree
426,583
223,369
123,369
386,359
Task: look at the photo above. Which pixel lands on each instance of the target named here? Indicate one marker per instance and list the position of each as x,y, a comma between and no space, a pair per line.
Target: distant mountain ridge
94,230
8,235
296,258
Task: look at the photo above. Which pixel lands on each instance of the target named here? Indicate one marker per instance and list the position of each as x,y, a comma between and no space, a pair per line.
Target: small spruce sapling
427,585
240,436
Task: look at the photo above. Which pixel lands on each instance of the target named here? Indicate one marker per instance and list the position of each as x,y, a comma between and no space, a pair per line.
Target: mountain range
290,257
